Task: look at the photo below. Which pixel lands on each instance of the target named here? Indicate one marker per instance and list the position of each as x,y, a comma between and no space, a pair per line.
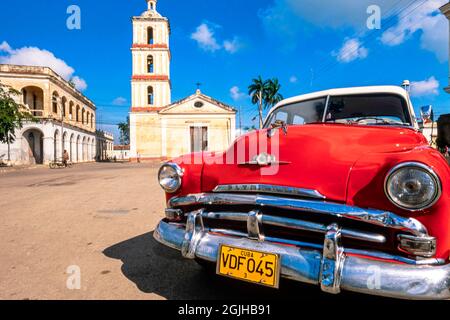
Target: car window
299,113
368,109
282,116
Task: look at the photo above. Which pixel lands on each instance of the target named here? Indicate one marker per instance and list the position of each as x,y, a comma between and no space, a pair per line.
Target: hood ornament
264,159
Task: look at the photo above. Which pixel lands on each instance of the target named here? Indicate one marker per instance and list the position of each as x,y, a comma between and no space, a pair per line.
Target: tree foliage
12,114
265,94
124,128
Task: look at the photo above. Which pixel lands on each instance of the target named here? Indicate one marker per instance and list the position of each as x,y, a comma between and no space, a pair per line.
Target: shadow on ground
161,270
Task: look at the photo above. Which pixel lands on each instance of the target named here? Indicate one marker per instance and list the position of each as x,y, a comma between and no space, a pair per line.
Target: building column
48,149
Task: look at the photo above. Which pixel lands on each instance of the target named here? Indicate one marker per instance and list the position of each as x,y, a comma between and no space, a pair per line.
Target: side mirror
426,113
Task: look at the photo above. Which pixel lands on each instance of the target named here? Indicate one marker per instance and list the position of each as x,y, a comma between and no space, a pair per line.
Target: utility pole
240,120
260,110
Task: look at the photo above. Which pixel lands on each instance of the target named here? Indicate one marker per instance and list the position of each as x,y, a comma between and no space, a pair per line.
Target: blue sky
308,45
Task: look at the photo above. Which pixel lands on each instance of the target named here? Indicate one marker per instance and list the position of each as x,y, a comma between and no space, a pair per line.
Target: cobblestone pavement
100,217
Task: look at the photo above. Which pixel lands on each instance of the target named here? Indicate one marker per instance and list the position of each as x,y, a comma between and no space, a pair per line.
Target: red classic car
340,189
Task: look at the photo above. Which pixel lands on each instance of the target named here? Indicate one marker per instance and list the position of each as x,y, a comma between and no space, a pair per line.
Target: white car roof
348,91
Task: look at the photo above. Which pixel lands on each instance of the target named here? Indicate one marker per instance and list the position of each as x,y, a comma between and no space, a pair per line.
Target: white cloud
32,56
5,47
425,18
206,39
236,94
120,101
287,16
232,46
79,83
425,88
351,50
204,35
293,79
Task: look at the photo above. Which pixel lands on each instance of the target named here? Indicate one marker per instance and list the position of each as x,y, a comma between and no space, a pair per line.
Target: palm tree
264,93
273,93
124,128
258,92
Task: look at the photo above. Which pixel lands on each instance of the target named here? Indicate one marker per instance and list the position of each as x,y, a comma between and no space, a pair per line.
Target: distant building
66,118
105,145
445,9
121,152
160,128
430,131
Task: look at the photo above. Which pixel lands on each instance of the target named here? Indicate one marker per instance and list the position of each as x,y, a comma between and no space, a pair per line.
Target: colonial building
65,117
159,128
105,145
121,152
445,9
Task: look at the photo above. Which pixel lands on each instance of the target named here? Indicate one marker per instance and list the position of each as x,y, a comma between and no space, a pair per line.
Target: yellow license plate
249,265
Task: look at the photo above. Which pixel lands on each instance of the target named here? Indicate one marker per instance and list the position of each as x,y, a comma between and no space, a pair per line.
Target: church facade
158,127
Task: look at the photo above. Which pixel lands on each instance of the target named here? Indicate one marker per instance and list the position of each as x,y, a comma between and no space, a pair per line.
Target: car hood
316,156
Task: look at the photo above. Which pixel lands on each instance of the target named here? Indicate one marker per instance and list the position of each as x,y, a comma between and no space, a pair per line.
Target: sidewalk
18,168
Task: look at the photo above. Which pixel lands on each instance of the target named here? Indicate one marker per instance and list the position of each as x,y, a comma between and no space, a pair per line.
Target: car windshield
369,109
300,112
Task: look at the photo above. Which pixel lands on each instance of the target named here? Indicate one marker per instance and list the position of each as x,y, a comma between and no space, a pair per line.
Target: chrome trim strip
318,227
295,224
302,244
304,265
371,216
271,189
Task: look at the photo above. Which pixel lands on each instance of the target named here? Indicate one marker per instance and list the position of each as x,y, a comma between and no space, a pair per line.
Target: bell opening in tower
150,39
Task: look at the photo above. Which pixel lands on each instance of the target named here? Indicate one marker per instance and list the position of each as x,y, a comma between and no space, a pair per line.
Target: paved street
100,217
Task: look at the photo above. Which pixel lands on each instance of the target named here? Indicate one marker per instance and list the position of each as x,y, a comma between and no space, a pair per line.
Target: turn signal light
418,246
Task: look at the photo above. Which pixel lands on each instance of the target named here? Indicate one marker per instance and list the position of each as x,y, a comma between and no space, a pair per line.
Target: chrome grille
295,221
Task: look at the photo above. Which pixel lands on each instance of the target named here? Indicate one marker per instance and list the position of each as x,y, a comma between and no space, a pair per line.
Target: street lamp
58,101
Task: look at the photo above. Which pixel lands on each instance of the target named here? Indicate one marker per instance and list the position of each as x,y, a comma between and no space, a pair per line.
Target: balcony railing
37,113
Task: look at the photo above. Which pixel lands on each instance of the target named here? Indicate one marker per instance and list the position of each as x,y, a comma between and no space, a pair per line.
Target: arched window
71,110
150,64
150,95
24,95
92,121
64,101
150,39
55,102
77,116
87,118
82,116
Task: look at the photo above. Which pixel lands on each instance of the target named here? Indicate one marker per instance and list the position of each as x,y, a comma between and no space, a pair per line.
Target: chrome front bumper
331,268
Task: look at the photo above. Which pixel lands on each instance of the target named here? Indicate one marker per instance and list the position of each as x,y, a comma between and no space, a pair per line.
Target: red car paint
346,163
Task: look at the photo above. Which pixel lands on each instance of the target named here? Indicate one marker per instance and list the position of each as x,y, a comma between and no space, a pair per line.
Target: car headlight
413,186
169,177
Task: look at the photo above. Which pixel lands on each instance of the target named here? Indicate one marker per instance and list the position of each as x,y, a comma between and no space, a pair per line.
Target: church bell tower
150,83
151,60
